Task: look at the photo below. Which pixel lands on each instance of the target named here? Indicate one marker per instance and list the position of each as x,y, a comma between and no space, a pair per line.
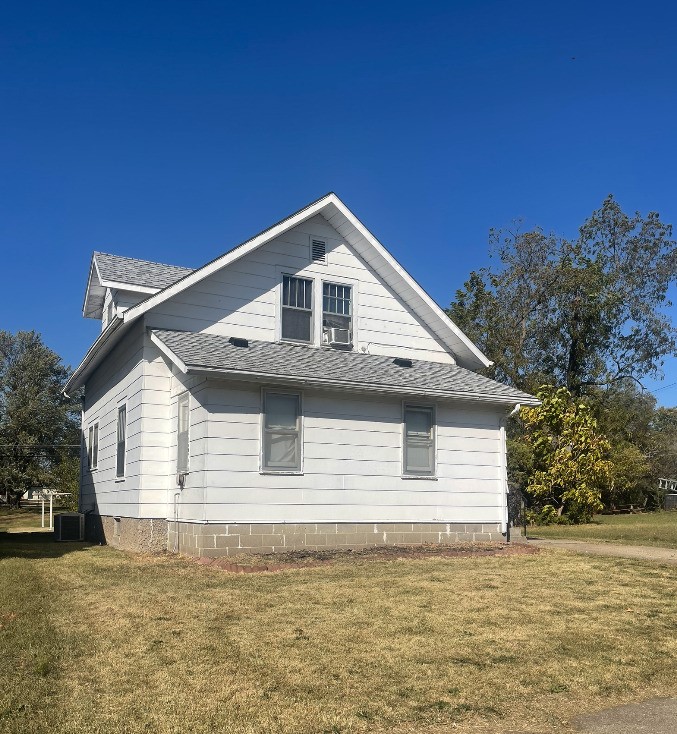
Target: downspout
505,521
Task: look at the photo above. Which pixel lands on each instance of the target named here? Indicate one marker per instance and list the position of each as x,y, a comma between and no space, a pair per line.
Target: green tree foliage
38,425
583,313
570,468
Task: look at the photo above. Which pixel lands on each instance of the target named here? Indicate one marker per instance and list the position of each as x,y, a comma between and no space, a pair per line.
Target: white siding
352,464
243,298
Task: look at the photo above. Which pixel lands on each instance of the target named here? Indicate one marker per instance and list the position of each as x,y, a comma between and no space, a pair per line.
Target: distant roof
126,273
295,363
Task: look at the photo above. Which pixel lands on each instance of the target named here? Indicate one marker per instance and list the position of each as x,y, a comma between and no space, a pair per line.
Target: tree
570,468
38,424
583,313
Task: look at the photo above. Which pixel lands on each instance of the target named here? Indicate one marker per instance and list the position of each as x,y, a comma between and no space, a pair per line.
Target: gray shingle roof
138,272
333,366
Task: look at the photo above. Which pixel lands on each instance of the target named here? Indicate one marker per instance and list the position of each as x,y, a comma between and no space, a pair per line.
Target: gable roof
339,217
371,251
126,273
299,364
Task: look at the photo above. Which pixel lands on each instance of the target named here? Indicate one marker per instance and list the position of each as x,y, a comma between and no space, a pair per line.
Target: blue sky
173,130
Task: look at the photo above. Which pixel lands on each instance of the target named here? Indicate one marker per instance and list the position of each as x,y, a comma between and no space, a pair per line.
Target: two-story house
300,391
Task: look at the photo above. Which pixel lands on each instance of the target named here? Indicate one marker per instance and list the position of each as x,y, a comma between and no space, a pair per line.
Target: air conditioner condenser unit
69,526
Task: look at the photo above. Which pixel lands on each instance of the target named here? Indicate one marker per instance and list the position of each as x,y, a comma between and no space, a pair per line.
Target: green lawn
99,641
650,528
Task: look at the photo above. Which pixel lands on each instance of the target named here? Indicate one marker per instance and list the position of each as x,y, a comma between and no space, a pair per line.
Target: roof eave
108,337
251,376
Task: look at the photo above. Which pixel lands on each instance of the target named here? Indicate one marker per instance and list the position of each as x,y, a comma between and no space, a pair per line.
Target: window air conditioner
69,526
336,336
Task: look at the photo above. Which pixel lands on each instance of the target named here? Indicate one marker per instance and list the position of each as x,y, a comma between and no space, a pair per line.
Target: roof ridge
141,260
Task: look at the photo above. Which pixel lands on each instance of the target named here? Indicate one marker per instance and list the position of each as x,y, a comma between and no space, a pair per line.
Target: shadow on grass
32,544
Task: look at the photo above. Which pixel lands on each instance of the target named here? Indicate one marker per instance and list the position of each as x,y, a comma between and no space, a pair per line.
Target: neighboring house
300,391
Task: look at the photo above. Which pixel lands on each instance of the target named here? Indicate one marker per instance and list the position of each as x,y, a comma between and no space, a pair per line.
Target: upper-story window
297,309
337,314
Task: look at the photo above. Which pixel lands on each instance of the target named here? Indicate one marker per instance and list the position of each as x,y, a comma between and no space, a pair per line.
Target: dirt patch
301,559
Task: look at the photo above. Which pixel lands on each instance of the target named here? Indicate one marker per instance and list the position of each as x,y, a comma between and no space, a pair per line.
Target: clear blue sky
173,130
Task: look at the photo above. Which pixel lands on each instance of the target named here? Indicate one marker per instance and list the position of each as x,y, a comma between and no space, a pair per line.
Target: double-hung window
337,313
121,450
281,432
93,447
419,440
297,309
182,452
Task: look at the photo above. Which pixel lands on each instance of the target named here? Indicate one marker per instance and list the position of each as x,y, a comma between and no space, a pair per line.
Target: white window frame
121,477
92,443
184,396
337,284
408,405
313,306
262,453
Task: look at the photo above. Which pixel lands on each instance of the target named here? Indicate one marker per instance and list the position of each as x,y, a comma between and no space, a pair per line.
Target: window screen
419,440
337,311
281,432
182,453
121,441
297,309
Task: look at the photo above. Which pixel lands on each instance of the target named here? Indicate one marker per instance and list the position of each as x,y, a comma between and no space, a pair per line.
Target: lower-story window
281,432
419,440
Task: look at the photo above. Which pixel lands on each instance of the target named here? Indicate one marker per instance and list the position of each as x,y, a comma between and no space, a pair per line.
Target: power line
665,387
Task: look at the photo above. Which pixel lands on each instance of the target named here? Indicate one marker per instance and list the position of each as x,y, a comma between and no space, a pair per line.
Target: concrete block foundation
228,539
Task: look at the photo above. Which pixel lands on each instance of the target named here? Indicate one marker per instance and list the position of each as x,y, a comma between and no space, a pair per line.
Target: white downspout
504,466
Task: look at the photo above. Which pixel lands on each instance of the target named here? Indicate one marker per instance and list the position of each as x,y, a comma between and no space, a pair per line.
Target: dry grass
27,517
96,640
650,528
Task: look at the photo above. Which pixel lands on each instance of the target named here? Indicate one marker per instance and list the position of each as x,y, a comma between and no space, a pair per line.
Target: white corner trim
168,353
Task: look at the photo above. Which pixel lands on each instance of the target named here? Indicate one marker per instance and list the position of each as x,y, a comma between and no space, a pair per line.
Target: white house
300,391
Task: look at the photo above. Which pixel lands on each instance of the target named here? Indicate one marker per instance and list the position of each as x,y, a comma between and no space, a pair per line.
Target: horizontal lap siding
352,464
119,379
242,299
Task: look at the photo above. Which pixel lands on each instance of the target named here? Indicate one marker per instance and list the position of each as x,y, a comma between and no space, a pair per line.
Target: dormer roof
127,274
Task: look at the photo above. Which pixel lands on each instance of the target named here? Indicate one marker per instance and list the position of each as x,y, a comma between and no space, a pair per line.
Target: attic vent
237,342
319,251
402,362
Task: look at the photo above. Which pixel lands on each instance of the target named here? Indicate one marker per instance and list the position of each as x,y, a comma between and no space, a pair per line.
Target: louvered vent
319,251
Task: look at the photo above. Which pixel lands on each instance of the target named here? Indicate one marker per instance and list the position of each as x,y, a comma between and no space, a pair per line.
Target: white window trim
415,404
280,308
94,428
353,285
123,476
185,393
262,432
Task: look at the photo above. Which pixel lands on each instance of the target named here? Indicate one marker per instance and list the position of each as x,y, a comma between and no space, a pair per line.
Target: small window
93,447
121,441
281,432
337,314
419,440
297,309
183,453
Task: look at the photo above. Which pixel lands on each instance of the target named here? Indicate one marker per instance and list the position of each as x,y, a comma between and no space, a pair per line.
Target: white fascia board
220,262
118,286
410,281
171,356
94,355
347,386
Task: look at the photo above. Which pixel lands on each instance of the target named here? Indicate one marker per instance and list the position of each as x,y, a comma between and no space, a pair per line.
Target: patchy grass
96,640
27,517
649,528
